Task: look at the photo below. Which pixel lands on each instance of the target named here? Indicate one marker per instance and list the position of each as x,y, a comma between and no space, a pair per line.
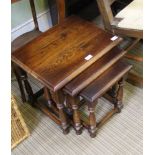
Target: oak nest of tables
60,54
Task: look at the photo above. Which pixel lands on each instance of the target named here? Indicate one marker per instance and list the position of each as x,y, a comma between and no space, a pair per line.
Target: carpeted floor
122,135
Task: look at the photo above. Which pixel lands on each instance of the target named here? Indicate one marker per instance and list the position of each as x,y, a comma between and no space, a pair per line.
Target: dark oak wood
92,119
91,73
61,10
119,96
17,73
112,77
97,88
48,97
24,39
74,101
59,97
34,14
20,42
55,57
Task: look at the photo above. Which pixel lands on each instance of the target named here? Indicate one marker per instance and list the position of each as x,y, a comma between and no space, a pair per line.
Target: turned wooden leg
59,97
16,71
68,105
76,115
119,97
92,120
114,90
48,97
28,89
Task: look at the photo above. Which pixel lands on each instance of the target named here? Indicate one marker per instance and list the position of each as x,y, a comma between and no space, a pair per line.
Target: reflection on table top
64,51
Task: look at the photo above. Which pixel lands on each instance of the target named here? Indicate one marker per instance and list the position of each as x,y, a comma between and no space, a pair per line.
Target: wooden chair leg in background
17,72
31,96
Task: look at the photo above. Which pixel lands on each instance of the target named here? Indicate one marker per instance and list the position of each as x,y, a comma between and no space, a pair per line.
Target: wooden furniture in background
20,42
86,9
128,22
27,37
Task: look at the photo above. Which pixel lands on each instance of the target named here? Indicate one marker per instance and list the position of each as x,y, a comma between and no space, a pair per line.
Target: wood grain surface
95,70
98,87
58,55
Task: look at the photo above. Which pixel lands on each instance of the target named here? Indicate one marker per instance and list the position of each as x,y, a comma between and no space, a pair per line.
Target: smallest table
60,54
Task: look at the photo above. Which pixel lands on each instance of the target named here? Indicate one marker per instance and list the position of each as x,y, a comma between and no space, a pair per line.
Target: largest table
63,52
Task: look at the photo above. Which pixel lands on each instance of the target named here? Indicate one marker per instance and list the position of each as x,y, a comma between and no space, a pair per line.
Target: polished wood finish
48,97
34,14
74,101
119,96
92,119
20,42
91,73
55,57
59,97
24,39
97,88
106,13
61,10
112,77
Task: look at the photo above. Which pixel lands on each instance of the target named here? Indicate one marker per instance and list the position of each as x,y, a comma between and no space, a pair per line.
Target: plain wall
20,11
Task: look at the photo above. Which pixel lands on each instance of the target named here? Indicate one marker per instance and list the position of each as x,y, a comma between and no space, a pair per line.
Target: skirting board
44,21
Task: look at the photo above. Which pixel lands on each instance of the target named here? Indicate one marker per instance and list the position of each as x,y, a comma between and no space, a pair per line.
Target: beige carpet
122,135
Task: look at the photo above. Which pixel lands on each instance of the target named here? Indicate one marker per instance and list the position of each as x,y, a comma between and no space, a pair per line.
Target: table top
64,51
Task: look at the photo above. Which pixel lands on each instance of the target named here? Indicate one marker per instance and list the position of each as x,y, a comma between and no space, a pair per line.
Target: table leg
74,101
114,90
59,97
119,97
48,97
92,119
28,89
16,71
